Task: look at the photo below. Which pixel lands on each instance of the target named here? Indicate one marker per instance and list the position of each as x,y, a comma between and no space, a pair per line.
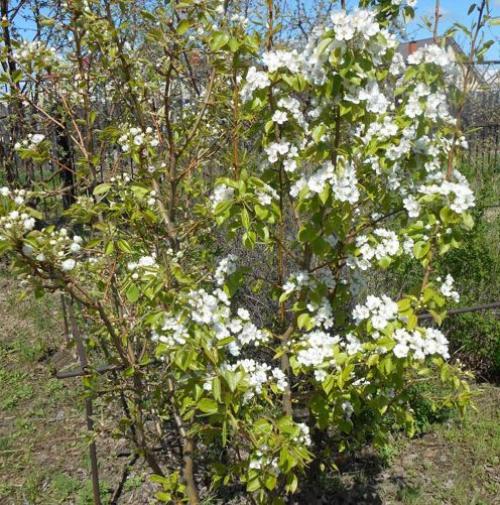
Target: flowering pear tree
329,163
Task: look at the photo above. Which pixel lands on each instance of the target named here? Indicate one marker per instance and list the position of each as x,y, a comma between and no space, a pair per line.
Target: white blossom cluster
120,180
285,151
261,460
276,149
421,343
347,408
459,194
266,194
221,193
323,314
255,79
239,19
124,191
359,31
432,54
318,349
144,266
152,198
36,52
380,311
383,243
289,60
382,128
412,206
315,349
16,220
226,267
352,344
18,196
343,182
360,22
433,105
212,310
31,142
304,280
376,101
259,375
289,105
58,245
447,288
304,436
136,138
296,281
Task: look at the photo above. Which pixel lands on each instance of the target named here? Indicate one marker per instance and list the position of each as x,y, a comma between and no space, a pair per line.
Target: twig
121,484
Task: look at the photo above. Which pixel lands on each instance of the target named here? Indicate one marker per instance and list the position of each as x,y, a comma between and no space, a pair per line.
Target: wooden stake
82,356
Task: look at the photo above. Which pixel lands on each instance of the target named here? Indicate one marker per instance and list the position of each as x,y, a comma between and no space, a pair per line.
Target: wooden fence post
82,356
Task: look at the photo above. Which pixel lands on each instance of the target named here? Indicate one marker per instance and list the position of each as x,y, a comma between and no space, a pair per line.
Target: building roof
407,48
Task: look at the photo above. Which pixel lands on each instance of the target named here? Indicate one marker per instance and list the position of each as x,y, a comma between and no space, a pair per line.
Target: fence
481,122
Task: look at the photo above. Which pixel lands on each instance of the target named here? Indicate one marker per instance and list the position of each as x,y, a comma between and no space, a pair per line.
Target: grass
43,438
457,463
38,413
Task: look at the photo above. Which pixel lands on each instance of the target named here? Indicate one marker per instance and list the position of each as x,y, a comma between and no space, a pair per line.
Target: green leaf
109,248
420,249
219,40
183,26
308,233
208,406
318,132
385,262
468,221
222,207
139,191
304,321
17,75
216,389
245,218
261,212
270,481
4,245
132,293
35,213
249,239
102,189
404,304
292,483
234,45
164,497
232,379
124,246
253,485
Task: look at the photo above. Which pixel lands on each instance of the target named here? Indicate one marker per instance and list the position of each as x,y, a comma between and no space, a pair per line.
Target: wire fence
481,122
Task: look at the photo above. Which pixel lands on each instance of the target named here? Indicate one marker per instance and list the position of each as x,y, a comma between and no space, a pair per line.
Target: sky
455,11
452,11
